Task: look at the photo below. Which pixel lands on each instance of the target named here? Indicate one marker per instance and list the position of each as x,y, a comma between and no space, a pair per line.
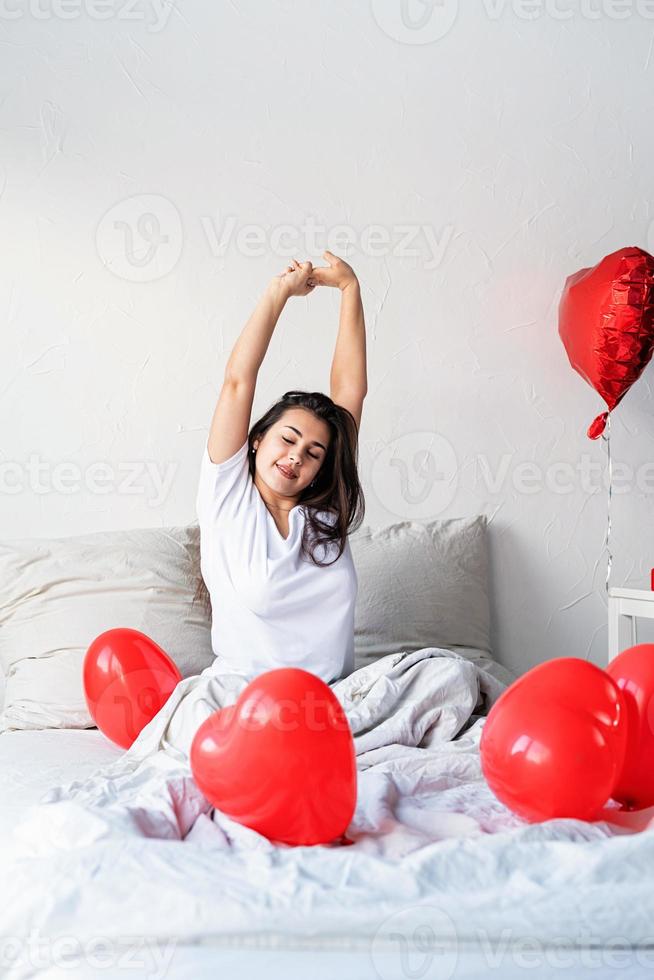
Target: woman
275,504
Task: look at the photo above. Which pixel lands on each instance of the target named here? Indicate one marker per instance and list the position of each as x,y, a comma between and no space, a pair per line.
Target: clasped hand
301,278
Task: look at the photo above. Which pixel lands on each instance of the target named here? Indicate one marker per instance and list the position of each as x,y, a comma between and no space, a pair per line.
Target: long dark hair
336,488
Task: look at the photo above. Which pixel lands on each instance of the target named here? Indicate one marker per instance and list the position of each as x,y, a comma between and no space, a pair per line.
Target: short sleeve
220,483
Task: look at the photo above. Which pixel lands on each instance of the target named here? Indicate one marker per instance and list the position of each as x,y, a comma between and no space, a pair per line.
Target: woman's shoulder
331,517
223,486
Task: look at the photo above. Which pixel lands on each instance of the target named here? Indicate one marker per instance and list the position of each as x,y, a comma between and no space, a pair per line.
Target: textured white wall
160,163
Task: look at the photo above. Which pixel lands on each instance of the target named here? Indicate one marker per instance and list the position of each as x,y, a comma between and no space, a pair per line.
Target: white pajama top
270,606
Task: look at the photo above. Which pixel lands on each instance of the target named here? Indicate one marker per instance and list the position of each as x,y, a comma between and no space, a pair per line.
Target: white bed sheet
538,877
32,762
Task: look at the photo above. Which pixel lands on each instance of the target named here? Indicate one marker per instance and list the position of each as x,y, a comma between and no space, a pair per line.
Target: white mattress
202,962
33,762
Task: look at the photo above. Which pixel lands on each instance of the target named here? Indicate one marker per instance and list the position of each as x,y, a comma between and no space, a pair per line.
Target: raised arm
348,376
231,418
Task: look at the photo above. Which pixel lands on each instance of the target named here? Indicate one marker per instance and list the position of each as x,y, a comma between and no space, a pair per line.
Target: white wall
509,151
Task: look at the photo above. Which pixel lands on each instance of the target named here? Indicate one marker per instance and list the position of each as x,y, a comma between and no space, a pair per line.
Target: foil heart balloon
127,678
606,323
281,760
554,742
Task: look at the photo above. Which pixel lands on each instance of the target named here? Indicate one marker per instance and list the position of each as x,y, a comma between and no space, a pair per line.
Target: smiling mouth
285,474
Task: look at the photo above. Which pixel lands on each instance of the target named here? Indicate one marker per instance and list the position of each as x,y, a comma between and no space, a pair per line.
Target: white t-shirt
271,608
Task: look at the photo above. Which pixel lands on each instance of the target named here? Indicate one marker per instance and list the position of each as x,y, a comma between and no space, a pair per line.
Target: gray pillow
421,585
58,594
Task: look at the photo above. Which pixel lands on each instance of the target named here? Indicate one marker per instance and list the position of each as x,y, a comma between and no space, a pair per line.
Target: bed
441,880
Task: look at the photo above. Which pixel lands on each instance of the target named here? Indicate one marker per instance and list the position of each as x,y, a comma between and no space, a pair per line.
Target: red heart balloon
127,678
281,760
554,743
633,672
606,323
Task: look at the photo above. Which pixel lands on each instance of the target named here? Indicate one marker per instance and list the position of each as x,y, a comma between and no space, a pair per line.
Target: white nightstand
624,605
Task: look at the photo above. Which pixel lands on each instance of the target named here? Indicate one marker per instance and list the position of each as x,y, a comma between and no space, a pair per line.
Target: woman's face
292,451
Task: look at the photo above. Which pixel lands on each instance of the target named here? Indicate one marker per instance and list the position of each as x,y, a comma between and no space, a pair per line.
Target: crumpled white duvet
137,848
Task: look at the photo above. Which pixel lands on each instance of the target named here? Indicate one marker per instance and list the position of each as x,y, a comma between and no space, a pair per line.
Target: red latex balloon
127,678
281,760
606,322
633,672
554,743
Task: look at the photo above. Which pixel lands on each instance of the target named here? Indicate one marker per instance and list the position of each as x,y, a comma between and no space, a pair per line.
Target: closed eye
290,441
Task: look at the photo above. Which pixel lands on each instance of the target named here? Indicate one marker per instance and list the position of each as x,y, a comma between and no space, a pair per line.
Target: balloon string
607,439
